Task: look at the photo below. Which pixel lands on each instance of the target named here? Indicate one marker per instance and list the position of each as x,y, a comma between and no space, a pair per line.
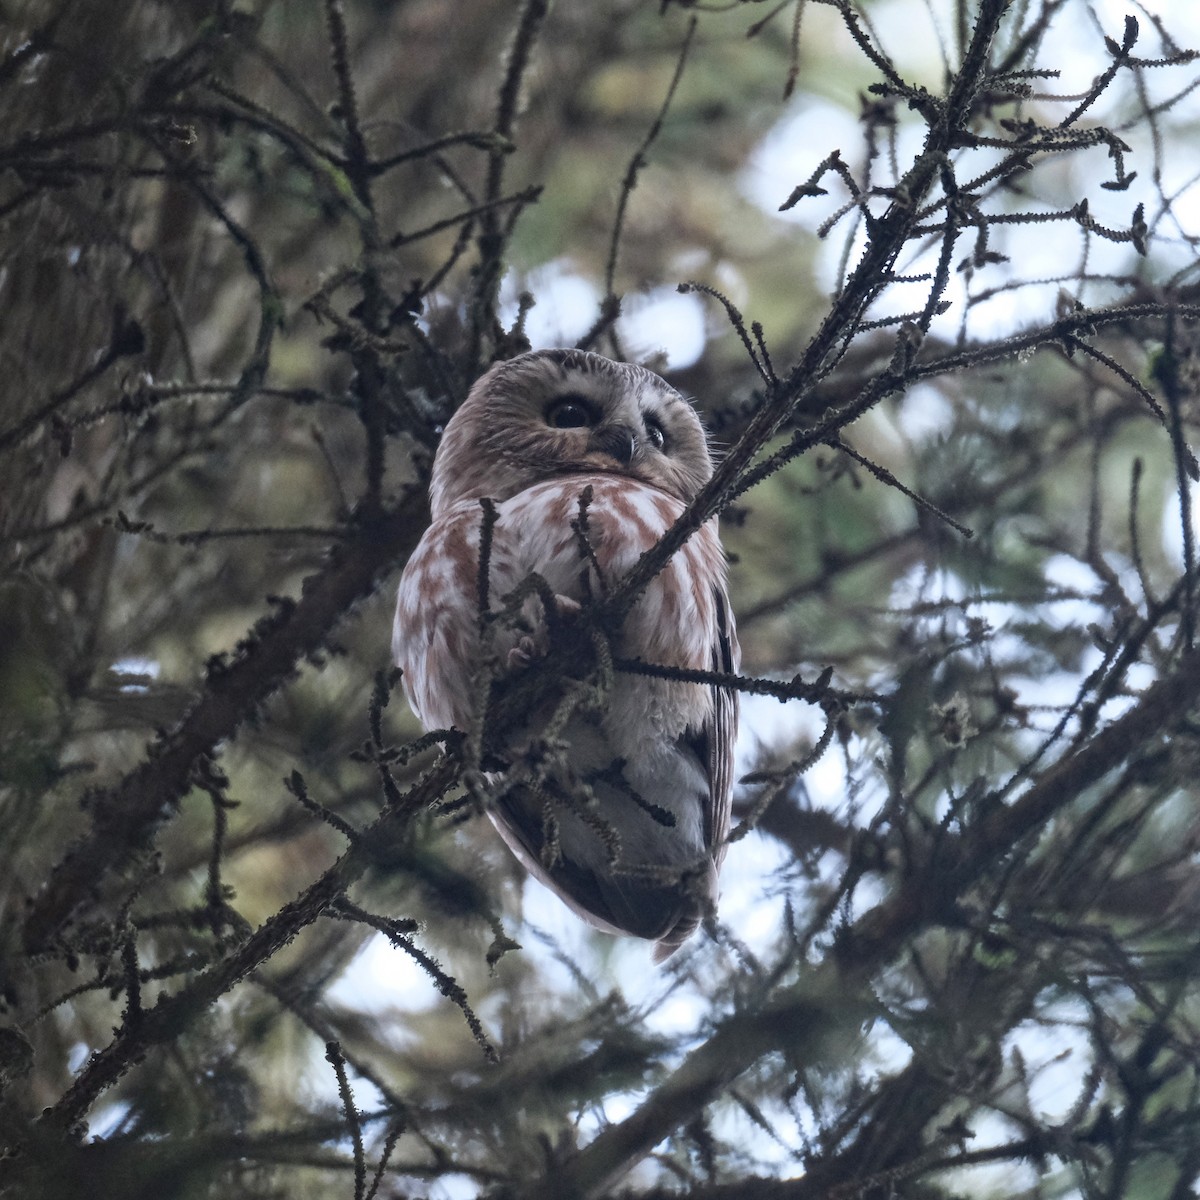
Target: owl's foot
476,784
531,646
522,654
566,607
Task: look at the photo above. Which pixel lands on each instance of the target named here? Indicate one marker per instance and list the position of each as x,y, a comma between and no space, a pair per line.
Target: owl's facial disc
564,412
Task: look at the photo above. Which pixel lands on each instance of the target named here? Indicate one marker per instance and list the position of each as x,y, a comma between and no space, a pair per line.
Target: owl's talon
475,783
532,646
566,606
522,654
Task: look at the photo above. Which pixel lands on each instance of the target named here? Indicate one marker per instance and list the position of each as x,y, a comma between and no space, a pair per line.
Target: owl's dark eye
654,432
570,412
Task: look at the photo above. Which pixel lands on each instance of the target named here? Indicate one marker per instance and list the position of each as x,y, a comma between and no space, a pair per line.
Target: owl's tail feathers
670,942
702,892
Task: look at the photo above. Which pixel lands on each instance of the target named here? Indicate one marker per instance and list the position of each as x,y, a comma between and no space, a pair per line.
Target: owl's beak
617,441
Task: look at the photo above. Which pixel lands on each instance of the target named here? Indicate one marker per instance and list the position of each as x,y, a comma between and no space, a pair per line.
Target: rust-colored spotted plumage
627,823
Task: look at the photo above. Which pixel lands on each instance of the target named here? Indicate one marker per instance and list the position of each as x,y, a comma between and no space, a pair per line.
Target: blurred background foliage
207,333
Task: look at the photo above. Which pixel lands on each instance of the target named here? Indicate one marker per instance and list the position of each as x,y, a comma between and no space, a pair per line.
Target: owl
623,808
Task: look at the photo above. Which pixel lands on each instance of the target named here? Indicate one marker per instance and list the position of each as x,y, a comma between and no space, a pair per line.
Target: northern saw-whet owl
627,820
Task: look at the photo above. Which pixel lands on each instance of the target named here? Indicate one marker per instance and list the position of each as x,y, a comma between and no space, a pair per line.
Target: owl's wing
712,745
721,733
692,774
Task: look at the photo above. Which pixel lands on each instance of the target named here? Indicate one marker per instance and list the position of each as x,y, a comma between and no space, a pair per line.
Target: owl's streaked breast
436,636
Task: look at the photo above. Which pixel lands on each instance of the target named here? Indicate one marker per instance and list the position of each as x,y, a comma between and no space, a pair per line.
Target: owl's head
560,412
